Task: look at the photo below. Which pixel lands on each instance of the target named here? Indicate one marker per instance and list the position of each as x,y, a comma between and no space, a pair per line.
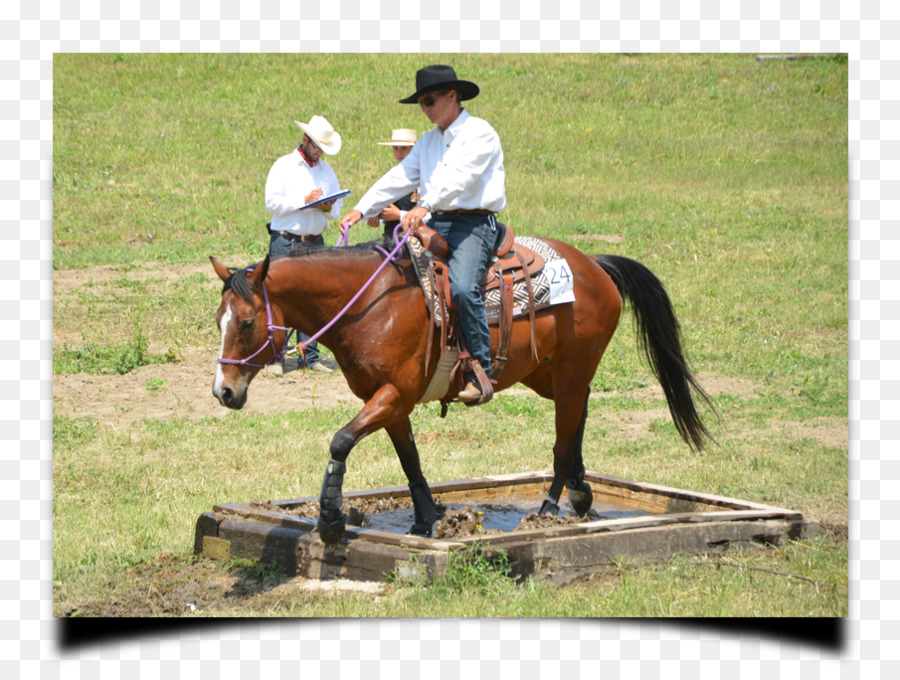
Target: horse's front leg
332,520
424,507
384,407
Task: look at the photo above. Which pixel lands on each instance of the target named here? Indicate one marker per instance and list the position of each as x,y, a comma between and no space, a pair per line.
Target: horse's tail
660,339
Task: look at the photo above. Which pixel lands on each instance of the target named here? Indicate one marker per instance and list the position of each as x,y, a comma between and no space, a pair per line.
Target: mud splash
455,520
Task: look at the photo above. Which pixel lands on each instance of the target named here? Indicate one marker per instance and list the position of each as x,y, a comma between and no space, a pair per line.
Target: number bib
561,281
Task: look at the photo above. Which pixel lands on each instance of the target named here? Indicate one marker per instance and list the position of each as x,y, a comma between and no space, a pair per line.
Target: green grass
725,176
111,357
150,481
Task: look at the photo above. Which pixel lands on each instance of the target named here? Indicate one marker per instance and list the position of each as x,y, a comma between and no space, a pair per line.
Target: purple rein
278,357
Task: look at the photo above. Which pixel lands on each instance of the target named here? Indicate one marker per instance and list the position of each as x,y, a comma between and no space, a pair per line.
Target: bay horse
380,346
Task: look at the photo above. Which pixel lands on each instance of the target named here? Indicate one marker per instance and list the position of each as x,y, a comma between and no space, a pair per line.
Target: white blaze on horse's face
223,328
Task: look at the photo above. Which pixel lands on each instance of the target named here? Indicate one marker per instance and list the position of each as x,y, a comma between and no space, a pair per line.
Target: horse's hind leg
423,504
580,495
568,466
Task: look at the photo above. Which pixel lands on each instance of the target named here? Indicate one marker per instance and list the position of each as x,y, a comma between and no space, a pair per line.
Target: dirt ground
119,399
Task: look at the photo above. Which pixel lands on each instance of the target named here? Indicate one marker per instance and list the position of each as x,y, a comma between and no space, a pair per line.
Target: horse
381,344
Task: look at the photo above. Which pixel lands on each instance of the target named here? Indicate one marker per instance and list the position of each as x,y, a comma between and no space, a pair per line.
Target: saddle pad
545,294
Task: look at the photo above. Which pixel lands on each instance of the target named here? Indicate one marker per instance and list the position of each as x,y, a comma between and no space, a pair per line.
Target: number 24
560,273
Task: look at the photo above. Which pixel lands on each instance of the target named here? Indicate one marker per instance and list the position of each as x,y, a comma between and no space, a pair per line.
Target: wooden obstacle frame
674,521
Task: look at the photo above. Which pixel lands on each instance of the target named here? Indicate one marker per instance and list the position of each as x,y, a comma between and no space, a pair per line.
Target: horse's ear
258,275
220,268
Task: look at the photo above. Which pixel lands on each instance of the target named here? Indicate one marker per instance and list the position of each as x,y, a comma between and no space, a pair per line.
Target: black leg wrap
341,444
580,495
577,475
549,508
424,509
332,521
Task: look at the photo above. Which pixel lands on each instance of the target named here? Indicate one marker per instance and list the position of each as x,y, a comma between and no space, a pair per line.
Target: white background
32,31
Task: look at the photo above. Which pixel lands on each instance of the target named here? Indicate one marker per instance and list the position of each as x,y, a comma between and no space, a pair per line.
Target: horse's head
250,338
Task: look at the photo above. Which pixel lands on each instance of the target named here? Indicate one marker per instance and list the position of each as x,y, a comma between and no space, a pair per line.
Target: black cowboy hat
437,77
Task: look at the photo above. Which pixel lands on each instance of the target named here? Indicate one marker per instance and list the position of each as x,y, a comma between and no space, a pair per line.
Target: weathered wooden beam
673,520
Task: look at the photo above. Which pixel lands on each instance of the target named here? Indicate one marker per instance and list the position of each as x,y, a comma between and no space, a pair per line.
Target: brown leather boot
470,392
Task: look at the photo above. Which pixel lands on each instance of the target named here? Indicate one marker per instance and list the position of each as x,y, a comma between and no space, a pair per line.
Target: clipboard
326,199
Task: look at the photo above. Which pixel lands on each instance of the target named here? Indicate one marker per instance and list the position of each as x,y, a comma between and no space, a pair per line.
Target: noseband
277,356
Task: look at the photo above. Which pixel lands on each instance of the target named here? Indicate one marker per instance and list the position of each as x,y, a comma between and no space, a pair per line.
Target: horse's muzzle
228,397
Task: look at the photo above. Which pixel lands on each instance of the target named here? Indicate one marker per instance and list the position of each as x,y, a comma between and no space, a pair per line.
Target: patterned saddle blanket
550,279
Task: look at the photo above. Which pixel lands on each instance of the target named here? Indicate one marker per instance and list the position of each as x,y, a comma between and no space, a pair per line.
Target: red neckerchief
311,163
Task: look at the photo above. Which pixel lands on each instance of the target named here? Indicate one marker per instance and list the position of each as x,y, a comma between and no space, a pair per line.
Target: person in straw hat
295,180
402,142
458,168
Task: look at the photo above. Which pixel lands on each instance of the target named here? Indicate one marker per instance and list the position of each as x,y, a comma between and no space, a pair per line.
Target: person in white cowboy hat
458,168
402,142
295,180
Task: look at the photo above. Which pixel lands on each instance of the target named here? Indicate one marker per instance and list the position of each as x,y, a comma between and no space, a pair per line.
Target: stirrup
483,383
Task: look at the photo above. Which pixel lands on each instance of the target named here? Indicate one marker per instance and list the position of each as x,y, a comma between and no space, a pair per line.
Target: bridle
278,357
270,341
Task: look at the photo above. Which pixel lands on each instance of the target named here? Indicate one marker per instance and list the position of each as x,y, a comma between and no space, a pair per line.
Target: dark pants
472,240
280,245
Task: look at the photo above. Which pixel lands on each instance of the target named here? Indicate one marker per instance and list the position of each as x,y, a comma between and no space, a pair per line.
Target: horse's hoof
581,499
423,530
331,529
549,508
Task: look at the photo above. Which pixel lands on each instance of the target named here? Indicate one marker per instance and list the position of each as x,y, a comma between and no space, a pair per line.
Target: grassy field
726,176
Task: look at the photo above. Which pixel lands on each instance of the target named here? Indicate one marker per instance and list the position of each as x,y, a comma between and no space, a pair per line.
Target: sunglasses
313,144
428,99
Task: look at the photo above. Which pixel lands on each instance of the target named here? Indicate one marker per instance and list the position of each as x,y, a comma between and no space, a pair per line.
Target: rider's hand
413,218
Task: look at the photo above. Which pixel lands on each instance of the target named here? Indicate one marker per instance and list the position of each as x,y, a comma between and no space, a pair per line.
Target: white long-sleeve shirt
290,181
460,168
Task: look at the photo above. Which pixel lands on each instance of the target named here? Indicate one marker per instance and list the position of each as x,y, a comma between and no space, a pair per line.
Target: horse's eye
247,325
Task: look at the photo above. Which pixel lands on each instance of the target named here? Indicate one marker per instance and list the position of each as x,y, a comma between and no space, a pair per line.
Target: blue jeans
280,245
472,240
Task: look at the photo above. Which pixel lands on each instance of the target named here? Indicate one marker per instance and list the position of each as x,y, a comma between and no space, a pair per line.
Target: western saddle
513,263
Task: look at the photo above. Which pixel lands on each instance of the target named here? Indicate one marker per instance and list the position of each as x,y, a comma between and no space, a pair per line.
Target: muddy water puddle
465,515
465,518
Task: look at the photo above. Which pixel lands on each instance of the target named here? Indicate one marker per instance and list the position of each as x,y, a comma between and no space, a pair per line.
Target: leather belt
306,238
464,212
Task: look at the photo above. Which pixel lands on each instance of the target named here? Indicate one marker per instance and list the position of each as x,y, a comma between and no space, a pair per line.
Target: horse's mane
354,250
239,284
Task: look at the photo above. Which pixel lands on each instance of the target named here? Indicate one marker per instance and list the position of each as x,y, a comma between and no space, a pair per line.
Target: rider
458,166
